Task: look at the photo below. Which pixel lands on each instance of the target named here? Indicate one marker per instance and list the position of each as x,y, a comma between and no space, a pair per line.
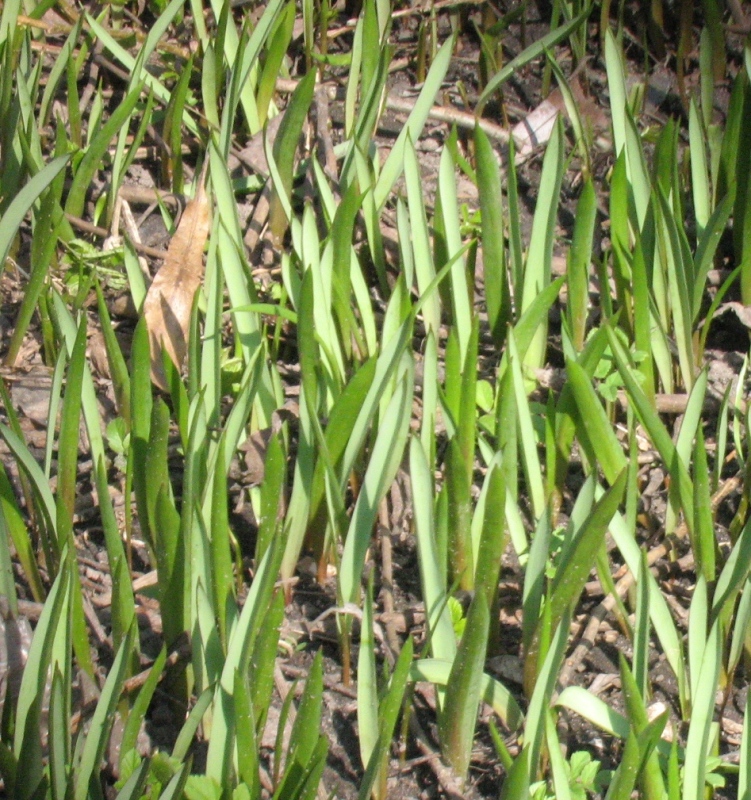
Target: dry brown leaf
536,128
742,312
170,298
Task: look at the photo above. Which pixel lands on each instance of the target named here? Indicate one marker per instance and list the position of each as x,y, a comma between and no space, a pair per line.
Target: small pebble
429,145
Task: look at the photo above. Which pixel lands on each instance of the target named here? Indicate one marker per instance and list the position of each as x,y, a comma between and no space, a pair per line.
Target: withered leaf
742,312
170,297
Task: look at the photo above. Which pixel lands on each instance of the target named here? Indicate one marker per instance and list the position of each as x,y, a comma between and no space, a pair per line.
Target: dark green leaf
458,718
493,250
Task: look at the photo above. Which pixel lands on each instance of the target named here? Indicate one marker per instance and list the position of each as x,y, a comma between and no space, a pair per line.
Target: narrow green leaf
66,490
239,649
88,782
342,230
133,788
176,785
48,224
115,359
367,685
136,64
247,744
674,774
388,712
581,134
734,573
516,255
384,462
744,774
285,146
697,631
579,260
680,283
141,407
494,693
558,762
535,578
392,169
516,783
493,539
538,266
342,420
13,529
545,678
9,21
69,438
493,249
704,529
624,779
141,705
447,211
221,556
660,614
582,702
45,502
272,493
705,251
24,200
651,778
533,51
637,171
602,444
275,51
699,173
59,737
242,54
740,626
656,430
419,238
92,160
459,492
457,721
441,632
311,780
188,731
305,730
576,561
642,632
263,660
531,459
702,714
